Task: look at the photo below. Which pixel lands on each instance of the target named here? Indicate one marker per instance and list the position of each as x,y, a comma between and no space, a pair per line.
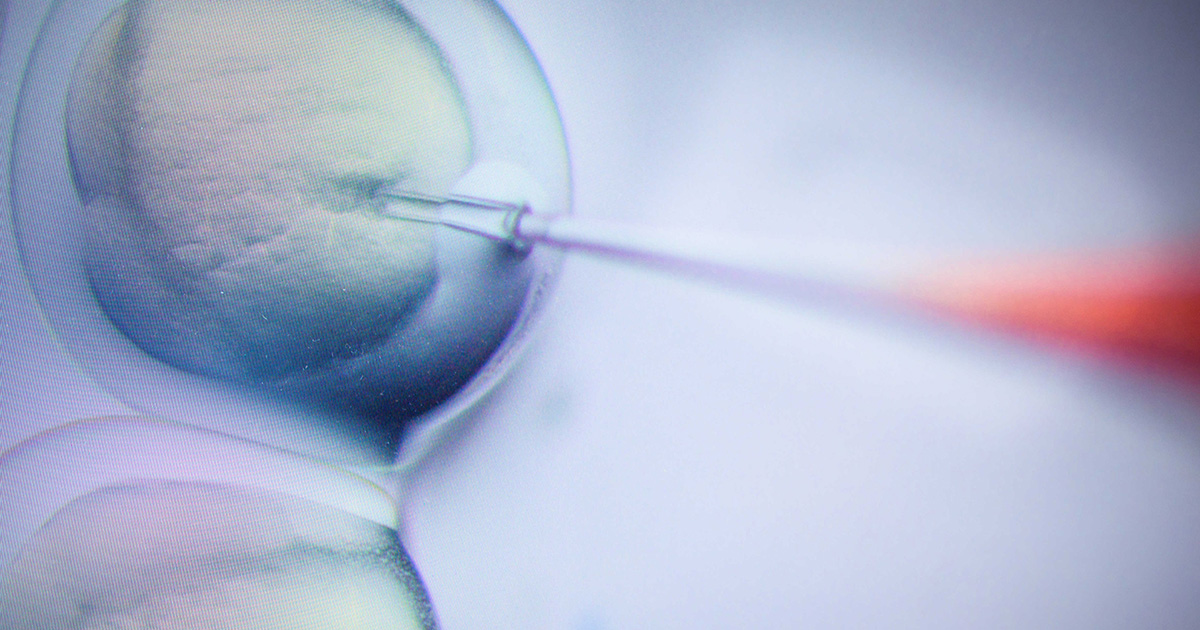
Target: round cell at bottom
129,522
204,556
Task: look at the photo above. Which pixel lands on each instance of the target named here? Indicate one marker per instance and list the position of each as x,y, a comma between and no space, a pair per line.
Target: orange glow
1141,306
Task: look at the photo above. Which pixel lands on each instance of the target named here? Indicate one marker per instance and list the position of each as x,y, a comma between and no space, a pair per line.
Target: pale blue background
670,455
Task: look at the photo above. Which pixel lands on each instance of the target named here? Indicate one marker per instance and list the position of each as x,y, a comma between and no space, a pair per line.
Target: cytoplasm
203,556
227,152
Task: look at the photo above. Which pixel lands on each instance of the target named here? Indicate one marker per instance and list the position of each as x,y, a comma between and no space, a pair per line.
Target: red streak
1140,306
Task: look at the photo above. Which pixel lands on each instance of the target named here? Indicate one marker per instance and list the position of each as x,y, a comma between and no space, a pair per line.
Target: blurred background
669,454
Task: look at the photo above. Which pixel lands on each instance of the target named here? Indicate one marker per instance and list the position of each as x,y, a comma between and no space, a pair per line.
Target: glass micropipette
1141,305
776,267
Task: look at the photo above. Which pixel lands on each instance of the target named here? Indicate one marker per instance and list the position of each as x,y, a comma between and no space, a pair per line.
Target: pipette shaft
752,264
1141,304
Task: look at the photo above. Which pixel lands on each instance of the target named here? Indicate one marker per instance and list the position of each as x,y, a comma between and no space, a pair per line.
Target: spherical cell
203,556
228,152
211,242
